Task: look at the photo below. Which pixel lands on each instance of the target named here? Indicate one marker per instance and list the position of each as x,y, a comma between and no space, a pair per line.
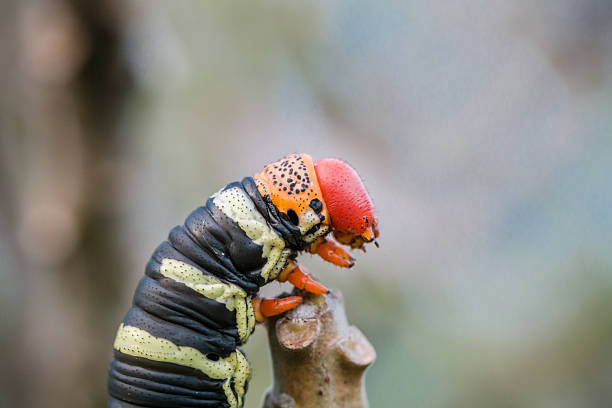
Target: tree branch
318,359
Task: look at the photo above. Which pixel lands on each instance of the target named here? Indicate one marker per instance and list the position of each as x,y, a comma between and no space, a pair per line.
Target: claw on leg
271,307
302,280
332,252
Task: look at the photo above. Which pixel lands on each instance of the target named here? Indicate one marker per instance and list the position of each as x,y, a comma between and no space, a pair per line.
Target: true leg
271,307
330,251
299,277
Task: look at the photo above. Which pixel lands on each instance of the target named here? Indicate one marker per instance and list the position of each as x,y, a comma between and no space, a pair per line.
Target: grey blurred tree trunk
66,80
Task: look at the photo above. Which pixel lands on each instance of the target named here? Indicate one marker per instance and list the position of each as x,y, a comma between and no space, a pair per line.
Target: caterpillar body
178,346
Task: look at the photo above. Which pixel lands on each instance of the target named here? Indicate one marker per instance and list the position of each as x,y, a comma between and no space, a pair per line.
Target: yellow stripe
242,374
239,207
231,295
276,269
140,343
250,315
229,395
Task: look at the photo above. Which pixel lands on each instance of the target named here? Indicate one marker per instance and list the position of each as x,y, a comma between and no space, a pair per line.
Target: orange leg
332,252
302,280
271,307
299,277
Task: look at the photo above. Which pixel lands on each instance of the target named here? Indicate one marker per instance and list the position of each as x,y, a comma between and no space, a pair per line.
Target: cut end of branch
317,357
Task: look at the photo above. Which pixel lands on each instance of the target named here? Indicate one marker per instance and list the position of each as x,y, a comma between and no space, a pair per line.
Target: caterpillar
197,303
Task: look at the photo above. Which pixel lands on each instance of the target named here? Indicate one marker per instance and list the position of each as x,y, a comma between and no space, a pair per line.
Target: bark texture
319,360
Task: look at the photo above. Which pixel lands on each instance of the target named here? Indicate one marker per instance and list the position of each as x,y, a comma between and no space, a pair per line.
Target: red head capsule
348,203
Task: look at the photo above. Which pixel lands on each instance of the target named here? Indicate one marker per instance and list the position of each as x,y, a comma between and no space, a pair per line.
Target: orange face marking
292,184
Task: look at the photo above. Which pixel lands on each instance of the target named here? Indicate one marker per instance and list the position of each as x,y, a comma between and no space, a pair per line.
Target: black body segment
168,309
147,383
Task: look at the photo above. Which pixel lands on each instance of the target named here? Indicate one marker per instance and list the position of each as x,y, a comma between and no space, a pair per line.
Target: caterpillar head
319,197
349,205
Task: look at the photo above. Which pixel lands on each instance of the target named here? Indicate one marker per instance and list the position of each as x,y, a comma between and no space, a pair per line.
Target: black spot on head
293,217
316,205
212,357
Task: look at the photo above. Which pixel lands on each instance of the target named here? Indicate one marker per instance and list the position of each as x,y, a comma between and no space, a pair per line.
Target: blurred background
481,128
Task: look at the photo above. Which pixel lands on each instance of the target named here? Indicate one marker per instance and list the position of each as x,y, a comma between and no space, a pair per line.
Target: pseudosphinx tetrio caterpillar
197,303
